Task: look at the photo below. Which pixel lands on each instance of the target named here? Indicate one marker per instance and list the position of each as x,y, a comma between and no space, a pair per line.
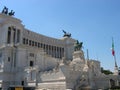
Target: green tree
106,72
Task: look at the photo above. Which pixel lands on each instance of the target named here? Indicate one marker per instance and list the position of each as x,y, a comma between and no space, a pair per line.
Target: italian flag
113,51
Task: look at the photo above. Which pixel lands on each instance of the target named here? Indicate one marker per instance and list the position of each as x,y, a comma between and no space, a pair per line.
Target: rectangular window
18,36
35,43
30,42
46,47
38,45
8,59
22,83
26,41
32,54
41,45
23,40
9,35
31,63
62,52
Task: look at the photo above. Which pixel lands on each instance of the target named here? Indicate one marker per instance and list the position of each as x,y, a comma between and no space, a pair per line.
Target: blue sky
94,22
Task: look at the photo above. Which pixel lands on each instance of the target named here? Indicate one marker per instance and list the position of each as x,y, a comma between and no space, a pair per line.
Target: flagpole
115,61
113,53
116,72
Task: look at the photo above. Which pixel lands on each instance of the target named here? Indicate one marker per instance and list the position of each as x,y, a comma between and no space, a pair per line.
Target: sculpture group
78,45
66,34
5,11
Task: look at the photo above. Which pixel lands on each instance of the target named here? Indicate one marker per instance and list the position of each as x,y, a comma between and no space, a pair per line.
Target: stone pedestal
78,56
78,61
116,71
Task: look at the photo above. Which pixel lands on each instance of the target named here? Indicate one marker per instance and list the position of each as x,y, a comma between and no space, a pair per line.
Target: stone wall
54,80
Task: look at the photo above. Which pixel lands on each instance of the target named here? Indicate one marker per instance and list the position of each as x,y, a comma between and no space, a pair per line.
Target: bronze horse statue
78,45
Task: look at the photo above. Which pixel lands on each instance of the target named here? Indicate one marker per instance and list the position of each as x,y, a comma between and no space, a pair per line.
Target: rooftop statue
5,11
78,45
66,34
11,13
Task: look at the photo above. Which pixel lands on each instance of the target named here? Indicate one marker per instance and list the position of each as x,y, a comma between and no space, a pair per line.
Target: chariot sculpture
5,11
66,34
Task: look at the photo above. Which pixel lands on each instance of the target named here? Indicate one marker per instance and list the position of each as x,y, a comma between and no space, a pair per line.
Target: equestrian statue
77,45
